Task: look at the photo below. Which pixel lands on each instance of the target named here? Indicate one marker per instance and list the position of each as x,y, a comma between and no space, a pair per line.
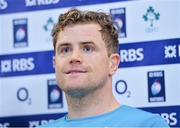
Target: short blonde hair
75,16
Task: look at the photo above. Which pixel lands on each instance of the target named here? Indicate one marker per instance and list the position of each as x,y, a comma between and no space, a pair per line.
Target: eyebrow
69,44
87,42
63,44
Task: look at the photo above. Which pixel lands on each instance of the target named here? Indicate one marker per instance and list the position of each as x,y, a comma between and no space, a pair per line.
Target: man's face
81,61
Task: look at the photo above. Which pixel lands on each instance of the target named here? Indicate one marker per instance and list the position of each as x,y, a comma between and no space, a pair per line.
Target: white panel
136,79
37,101
166,27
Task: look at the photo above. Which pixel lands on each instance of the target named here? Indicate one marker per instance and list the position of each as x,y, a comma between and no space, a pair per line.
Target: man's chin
76,93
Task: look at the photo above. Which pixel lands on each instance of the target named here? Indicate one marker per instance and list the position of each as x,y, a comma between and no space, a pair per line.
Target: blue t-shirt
124,116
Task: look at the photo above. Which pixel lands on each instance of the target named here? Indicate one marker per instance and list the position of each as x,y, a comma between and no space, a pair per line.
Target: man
86,57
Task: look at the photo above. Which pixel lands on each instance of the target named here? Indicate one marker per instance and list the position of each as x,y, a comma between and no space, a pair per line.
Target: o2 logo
23,95
121,88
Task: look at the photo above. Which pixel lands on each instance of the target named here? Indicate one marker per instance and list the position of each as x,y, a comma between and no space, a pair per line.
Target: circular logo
54,95
20,34
121,87
156,87
22,94
118,23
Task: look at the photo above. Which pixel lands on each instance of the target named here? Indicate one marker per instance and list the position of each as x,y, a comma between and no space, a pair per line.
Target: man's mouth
75,71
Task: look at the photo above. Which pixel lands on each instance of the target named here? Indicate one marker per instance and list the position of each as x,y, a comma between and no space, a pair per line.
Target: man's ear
114,63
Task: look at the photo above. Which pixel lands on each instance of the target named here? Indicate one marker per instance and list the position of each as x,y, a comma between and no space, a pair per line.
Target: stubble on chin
76,93
80,93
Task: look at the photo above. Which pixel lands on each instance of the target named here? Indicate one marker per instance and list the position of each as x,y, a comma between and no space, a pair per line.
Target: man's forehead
83,26
81,33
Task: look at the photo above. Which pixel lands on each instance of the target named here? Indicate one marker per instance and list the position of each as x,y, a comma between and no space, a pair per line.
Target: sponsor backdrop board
147,78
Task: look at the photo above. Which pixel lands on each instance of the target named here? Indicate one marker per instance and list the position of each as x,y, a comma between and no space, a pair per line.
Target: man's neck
96,103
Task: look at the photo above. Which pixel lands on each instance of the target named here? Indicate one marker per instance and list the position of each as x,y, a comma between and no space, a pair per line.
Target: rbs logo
4,125
16,65
3,4
132,55
33,124
40,2
171,118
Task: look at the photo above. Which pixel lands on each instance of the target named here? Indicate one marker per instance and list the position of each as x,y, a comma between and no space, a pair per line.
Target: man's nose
76,56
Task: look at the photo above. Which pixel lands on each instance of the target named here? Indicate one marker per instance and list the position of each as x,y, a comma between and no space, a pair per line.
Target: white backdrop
148,76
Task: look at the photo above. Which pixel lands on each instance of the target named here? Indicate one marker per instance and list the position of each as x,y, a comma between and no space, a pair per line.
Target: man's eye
88,48
65,50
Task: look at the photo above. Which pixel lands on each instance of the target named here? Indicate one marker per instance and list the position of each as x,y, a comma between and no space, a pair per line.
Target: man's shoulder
132,111
136,115
128,109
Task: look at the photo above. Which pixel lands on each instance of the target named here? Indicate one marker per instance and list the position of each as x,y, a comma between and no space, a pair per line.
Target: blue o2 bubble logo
20,34
121,88
156,88
119,20
54,95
